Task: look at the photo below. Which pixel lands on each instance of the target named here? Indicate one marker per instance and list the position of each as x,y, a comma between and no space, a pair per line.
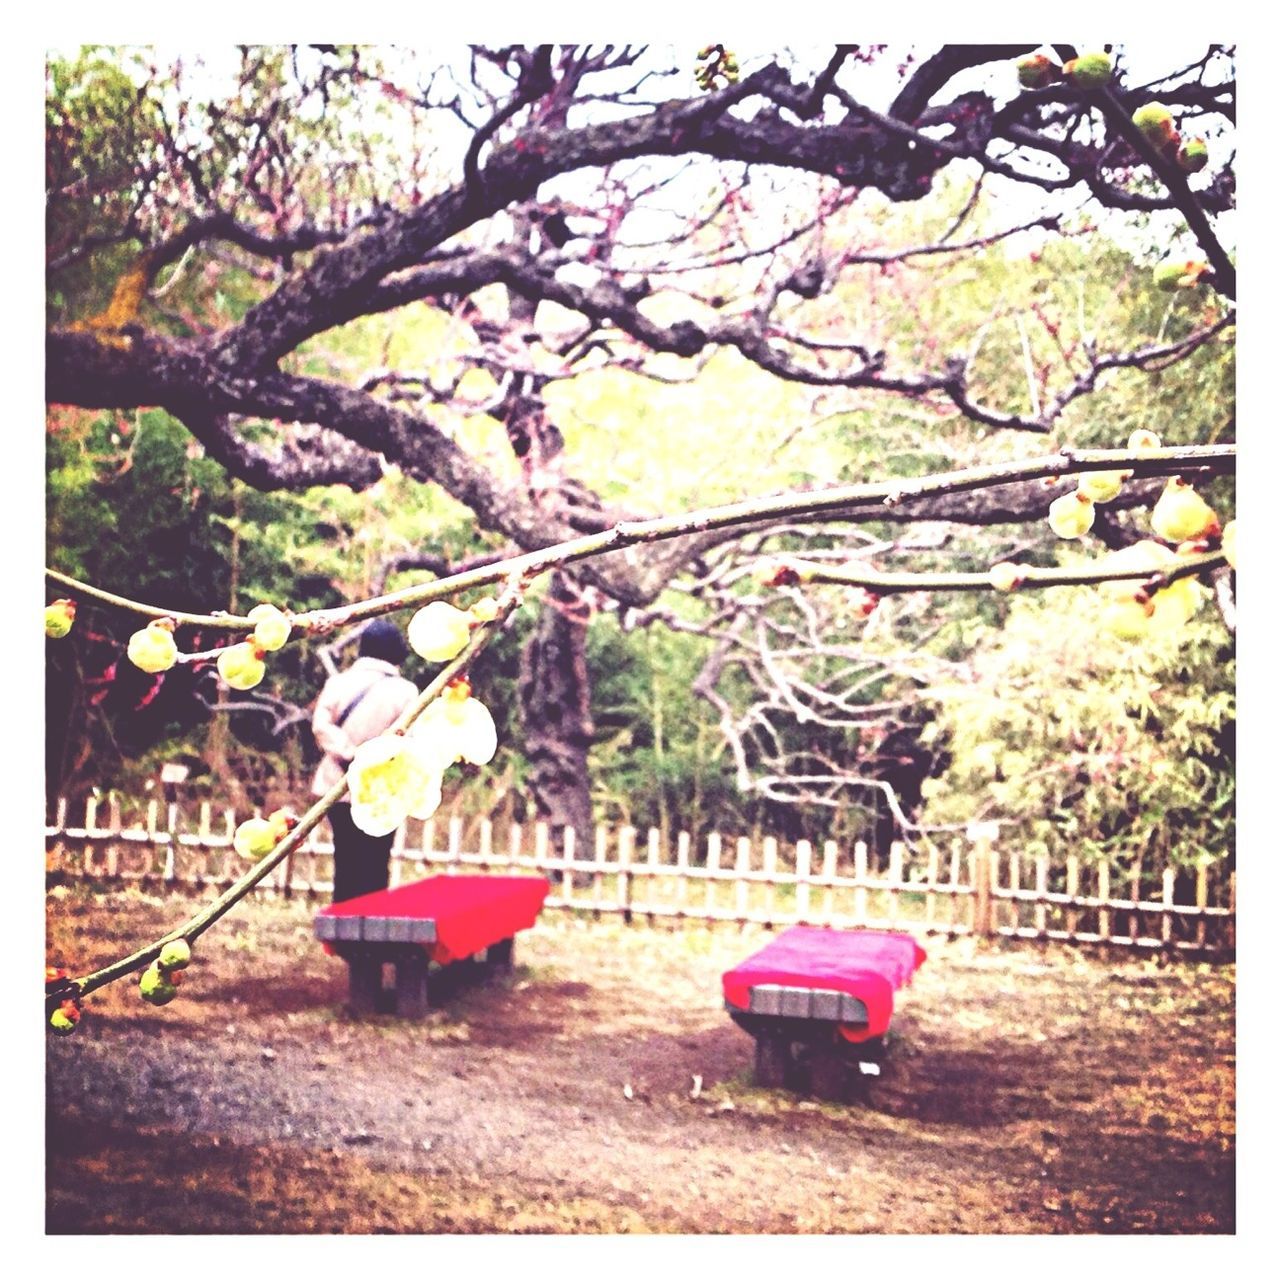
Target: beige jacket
389,694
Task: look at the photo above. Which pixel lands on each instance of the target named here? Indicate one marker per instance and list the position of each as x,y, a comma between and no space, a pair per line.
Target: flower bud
174,955
1229,542
1128,618
255,838
283,820
58,618
1193,155
241,665
1006,576
1071,516
1037,71
1089,71
1181,514
484,610
64,1019
1102,486
1178,274
271,628
155,987
1156,123
153,649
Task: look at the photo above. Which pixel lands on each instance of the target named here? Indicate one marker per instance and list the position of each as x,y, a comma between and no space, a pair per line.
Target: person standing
354,706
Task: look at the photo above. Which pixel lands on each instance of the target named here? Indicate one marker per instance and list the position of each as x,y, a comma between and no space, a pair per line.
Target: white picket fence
968,887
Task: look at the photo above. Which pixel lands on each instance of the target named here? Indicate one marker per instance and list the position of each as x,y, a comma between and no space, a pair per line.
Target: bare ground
602,1088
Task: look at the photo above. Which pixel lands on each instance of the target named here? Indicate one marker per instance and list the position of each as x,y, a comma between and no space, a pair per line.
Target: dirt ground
601,1088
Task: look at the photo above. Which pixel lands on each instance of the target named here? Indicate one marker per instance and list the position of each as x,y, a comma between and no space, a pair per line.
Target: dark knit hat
381,638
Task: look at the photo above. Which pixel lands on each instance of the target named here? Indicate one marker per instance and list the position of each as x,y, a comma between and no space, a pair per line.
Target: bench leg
829,1075
501,955
773,1060
411,985
365,975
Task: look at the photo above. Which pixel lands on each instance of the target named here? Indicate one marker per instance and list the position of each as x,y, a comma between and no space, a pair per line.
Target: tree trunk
555,705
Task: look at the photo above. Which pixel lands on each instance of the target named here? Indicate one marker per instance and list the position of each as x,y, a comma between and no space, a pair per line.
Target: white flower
439,632
456,727
391,778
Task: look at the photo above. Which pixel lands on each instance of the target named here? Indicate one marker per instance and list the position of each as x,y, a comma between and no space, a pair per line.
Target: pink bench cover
470,912
868,965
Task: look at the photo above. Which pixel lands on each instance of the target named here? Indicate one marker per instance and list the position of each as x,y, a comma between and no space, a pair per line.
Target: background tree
343,264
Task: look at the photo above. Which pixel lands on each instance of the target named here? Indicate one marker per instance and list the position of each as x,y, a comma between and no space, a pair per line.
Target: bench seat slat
774,1000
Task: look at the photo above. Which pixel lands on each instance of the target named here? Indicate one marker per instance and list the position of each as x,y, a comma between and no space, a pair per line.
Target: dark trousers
361,863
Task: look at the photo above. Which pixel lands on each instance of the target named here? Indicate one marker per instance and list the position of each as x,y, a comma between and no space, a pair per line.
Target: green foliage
100,131
1078,742
132,503
657,759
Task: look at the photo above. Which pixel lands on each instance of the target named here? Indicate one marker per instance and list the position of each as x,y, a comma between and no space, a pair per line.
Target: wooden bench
445,920
818,1002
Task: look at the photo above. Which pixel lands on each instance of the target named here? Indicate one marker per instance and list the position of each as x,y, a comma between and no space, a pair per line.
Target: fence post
683,842
804,866
170,870
114,823
570,838
398,844
980,866
770,871
1104,893
931,885
600,861
713,865
1135,889
1073,891
626,841
455,845
229,825
652,881
742,866
1042,890
953,883
1231,905
895,880
860,875
1166,899
1014,913
1202,899
153,828
829,855
90,817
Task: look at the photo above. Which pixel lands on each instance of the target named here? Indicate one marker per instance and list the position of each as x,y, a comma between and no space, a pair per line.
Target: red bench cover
868,965
470,912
